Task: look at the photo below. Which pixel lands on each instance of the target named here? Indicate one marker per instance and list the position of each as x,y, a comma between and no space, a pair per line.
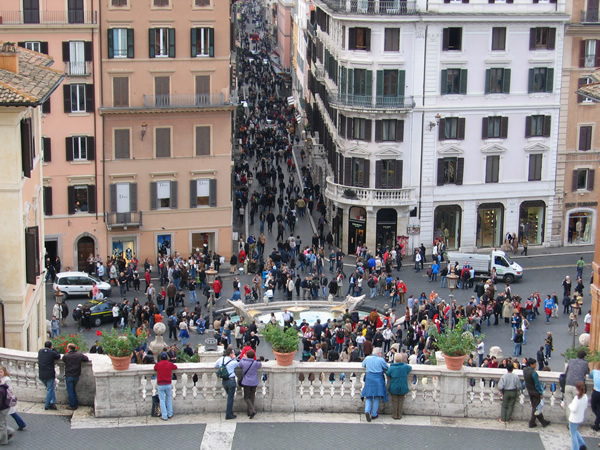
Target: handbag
155,412
244,374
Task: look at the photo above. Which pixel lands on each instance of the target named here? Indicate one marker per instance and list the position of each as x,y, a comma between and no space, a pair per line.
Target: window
363,82
454,81
120,92
47,193
388,174
535,167
360,172
81,199
497,81
118,2
123,199
31,12
32,254
202,141
161,3
47,149
202,3
390,83
162,91
203,90
494,127
46,106
389,130
359,39
585,138
589,53
78,98
80,148
203,192
541,79
163,195
537,126
392,40
27,147
76,54
452,39
36,46
76,12
359,129
583,179
122,144
163,142
120,43
162,42
499,38
542,38
582,82
451,128
203,42
492,168
450,171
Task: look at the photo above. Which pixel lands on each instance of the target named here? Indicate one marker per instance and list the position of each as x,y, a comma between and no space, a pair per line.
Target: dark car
102,312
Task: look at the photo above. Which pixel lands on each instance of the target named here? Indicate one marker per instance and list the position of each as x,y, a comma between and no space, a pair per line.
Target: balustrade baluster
184,384
424,383
144,382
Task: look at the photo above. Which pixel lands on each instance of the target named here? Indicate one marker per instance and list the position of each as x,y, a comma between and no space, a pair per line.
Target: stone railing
368,196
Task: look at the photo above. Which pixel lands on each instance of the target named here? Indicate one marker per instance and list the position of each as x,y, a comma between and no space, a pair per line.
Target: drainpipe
101,103
422,127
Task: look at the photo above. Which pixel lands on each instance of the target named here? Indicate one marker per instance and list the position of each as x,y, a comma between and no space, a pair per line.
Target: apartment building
26,82
577,190
68,32
166,121
438,119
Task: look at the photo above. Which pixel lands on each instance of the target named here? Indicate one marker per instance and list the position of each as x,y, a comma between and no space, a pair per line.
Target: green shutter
530,85
380,83
111,50
463,81
151,49
369,84
351,81
444,83
211,42
343,76
488,77
401,82
549,80
171,42
506,82
194,50
130,43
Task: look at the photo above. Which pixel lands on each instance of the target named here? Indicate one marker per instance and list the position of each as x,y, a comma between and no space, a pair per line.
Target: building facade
439,119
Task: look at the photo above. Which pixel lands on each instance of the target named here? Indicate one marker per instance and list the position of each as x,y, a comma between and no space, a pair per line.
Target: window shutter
368,39
547,126
26,147
590,179
401,82
211,42
446,1
47,148
597,62
463,81
111,48
350,81
506,82
88,51
484,127
44,48
91,149
348,171
582,53
173,194
194,50
130,43
369,83
378,130
488,76
530,84
510,1
461,128
368,125
378,170
445,35
504,127
440,172
379,87
343,76
89,98
444,83
532,39
574,182
66,51
171,42
531,176
442,130
133,200
398,172
113,198
151,43
91,190
528,126
551,38
153,195
349,128
67,97
48,200
212,201
46,109
367,173
193,194
399,130
32,254
549,80
581,82
536,1
460,169
342,121
352,38
71,199
491,1
465,1
21,44
69,148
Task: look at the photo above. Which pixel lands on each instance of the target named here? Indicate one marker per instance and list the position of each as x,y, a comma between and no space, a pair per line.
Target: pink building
284,32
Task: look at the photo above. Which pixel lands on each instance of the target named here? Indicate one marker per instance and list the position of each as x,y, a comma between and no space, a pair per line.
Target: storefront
446,223
124,246
580,224
357,228
203,242
337,228
531,221
490,220
387,228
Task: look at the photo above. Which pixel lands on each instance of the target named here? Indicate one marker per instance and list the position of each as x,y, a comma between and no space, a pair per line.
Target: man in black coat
46,361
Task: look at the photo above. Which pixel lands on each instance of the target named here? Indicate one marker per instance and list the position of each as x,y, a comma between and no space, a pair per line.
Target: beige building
577,191
26,81
166,118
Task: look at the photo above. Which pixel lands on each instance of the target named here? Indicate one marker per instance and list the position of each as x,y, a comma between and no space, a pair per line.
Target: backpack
340,333
10,399
222,371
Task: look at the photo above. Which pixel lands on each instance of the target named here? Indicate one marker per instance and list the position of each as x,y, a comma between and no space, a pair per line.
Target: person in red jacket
217,286
164,375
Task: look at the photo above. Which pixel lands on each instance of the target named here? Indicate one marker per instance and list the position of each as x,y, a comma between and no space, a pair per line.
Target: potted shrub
349,193
455,344
284,343
59,343
120,345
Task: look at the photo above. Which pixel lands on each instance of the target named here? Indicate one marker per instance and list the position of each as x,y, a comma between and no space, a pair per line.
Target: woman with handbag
249,380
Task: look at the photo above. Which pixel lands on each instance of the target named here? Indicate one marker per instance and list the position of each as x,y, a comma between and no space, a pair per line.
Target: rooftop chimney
9,58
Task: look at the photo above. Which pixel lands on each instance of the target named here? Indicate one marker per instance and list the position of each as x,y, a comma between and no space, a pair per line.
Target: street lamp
452,280
210,279
575,310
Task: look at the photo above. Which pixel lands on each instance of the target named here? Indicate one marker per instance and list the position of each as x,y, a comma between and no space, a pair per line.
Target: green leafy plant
282,341
456,341
60,342
183,357
121,343
571,353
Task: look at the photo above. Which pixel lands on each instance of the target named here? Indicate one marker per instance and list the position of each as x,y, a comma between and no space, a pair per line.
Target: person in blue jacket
374,390
397,373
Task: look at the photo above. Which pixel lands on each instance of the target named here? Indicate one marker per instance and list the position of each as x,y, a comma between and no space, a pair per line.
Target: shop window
531,221
579,231
447,224
490,220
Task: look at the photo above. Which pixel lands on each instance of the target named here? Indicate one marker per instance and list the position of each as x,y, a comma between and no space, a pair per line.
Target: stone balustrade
303,387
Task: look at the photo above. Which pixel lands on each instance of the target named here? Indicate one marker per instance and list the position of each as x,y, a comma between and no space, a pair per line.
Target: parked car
102,312
73,284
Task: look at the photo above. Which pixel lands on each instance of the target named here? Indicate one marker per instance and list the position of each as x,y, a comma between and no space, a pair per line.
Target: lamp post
452,280
575,309
210,278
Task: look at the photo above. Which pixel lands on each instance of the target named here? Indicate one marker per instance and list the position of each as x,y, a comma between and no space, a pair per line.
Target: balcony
589,16
370,102
48,17
373,7
78,68
351,195
185,101
124,220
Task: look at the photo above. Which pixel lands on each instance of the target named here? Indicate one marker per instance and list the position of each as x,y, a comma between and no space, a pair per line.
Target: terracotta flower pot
455,362
120,362
284,359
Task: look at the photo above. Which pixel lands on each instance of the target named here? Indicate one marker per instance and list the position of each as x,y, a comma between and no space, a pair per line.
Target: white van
73,284
506,269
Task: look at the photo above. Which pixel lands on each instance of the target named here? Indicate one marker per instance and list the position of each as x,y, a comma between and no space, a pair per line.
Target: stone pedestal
158,343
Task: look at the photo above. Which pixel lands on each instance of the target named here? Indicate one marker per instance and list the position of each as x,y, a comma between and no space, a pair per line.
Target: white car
72,284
